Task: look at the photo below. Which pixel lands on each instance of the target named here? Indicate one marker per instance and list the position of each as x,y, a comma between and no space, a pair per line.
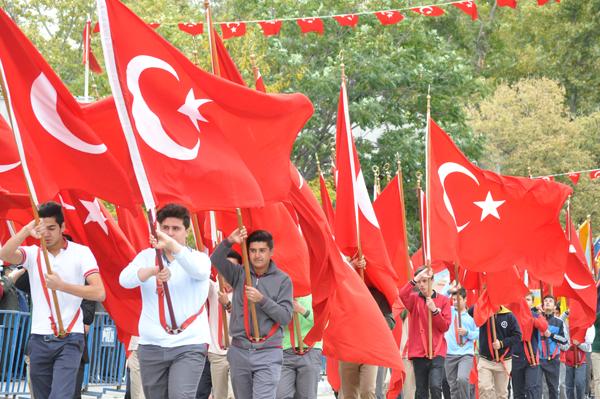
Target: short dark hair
174,211
52,209
549,296
235,255
261,236
462,292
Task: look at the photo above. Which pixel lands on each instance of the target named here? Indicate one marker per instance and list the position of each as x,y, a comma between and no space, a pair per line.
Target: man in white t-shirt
55,355
171,353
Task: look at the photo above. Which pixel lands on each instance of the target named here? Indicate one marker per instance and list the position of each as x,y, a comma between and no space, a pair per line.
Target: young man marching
460,339
255,364
429,372
549,346
171,359
55,357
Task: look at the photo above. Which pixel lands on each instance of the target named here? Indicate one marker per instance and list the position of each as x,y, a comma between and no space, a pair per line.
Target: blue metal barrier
14,331
106,353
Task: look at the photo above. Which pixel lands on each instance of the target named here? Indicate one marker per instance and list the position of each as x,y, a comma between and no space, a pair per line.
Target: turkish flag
346,316
347,20
193,29
574,177
88,54
16,207
60,148
311,25
227,68
326,201
429,11
135,227
270,28
390,212
90,223
488,222
11,172
468,7
507,3
203,141
233,29
260,83
389,17
594,174
354,211
578,284
523,315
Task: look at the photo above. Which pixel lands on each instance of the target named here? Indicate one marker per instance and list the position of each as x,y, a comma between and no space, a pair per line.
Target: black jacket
507,332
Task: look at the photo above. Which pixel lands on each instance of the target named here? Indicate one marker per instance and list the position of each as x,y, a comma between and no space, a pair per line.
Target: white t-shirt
73,264
216,327
188,287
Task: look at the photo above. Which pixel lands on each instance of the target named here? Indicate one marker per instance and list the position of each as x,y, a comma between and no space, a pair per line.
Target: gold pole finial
318,163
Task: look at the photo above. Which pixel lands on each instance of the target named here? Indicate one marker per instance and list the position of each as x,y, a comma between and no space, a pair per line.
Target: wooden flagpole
403,210
458,302
299,333
246,263
32,195
216,240
427,224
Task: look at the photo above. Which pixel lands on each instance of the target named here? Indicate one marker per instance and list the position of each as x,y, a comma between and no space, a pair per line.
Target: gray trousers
172,373
54,364
300,375
575,382
458,369
254,372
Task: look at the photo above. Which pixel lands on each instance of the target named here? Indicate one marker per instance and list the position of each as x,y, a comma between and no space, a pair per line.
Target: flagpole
134,152
33,199
246,263
86,46
427,212
352,168
214,59
376,182
403,210
299,335
214,234
458,301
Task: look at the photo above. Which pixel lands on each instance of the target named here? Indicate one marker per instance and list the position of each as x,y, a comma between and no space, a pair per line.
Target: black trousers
205,385
551,373
526,382
429,374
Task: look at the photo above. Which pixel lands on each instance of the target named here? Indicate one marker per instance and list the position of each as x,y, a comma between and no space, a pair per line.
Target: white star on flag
95,214
489,207
190,108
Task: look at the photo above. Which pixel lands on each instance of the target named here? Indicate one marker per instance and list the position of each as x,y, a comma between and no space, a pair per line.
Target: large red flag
389,208
578,285
489,222
16,207
59,148
354,215
89,223
195,138
346,315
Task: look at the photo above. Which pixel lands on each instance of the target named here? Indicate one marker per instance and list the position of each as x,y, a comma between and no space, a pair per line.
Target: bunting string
573,176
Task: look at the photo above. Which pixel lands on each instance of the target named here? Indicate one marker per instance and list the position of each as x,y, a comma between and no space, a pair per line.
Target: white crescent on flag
11,166
147,122
43,102
446,170
574,285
